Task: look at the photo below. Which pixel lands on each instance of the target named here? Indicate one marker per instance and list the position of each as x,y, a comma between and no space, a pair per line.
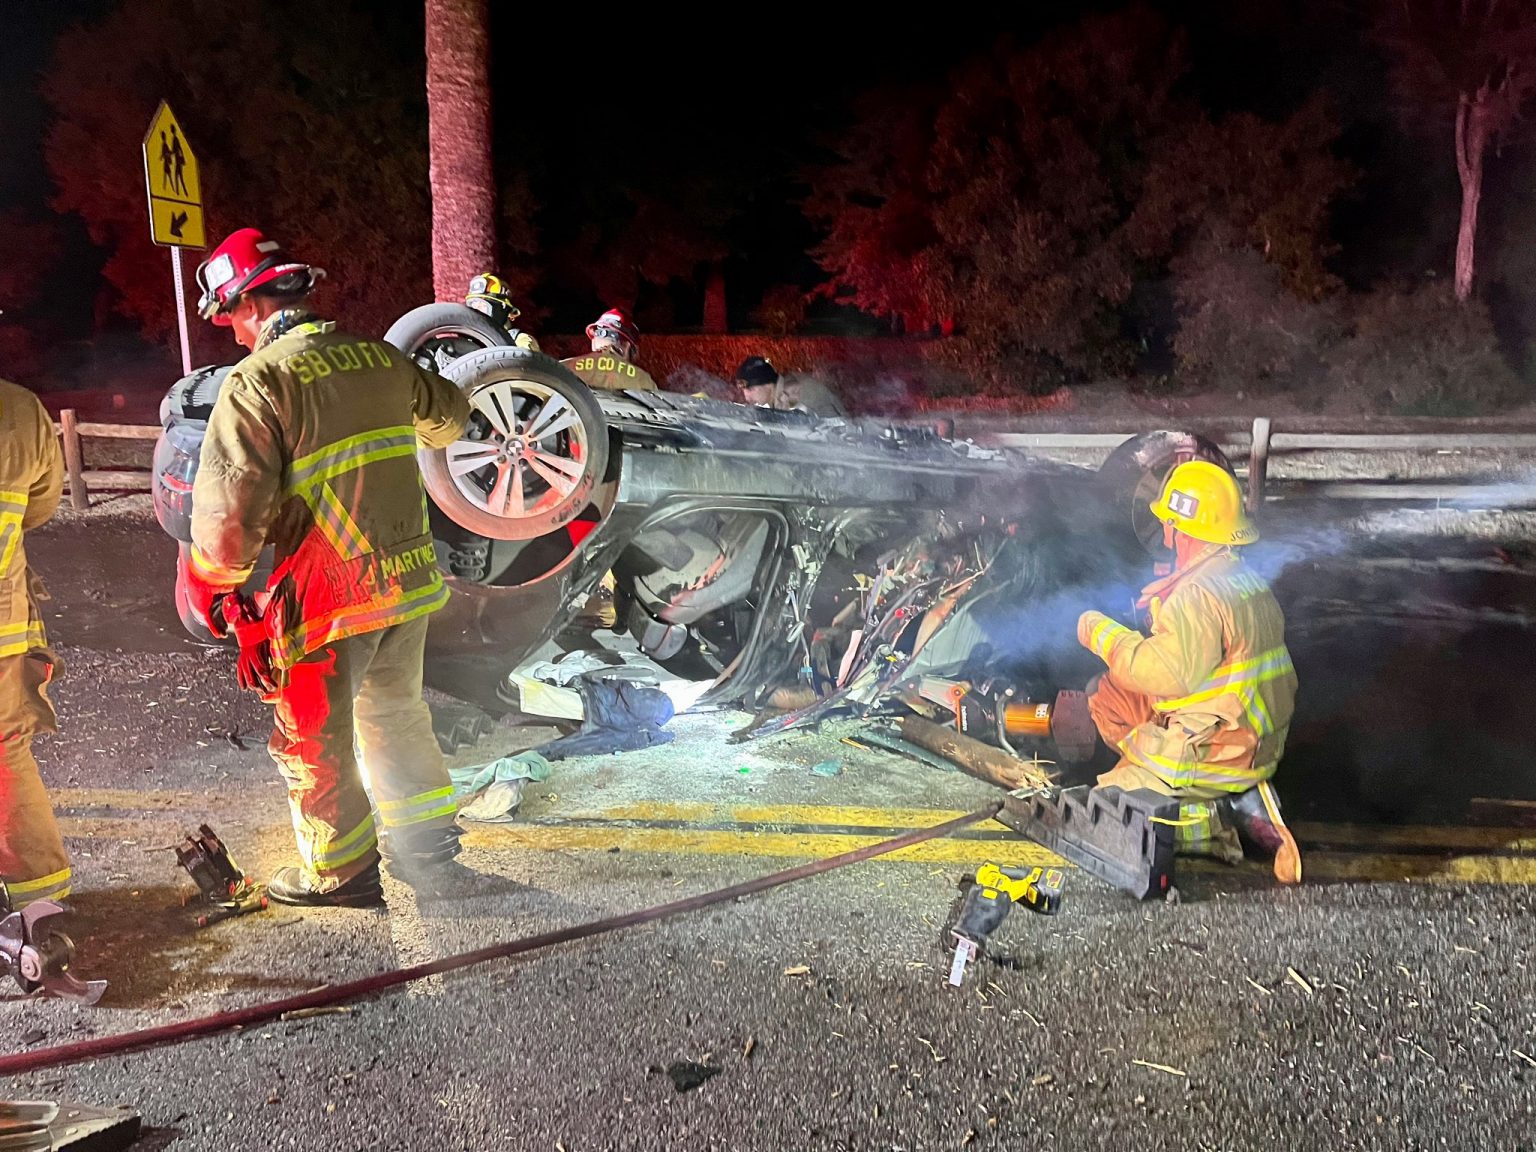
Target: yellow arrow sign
170,176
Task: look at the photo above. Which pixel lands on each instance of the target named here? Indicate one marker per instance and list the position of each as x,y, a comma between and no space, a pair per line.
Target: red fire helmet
616,323
244,261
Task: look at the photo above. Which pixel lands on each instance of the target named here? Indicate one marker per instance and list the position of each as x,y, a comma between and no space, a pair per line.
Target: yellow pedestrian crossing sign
170,174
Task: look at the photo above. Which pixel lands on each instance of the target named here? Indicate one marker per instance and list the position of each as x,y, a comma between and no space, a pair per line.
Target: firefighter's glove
1086,623
254,669
204,600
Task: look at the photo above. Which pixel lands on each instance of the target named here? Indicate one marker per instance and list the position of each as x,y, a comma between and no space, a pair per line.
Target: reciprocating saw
987,904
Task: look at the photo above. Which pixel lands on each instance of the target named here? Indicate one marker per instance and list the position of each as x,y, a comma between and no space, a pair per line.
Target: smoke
693,380
1042,585
887,394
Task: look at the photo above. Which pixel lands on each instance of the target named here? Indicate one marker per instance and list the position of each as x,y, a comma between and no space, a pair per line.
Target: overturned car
790,561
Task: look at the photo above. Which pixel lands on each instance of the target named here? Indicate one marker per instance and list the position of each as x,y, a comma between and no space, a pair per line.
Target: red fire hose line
22,1062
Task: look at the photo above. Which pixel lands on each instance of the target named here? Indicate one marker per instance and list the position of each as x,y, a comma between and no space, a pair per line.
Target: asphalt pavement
1387,1003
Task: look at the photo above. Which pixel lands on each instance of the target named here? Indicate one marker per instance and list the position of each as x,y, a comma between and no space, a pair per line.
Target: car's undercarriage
797,564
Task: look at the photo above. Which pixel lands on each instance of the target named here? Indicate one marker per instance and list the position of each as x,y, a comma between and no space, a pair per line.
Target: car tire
515,391
1132,476
450,328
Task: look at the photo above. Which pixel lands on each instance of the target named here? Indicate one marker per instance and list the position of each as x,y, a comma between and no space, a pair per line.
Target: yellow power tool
989,901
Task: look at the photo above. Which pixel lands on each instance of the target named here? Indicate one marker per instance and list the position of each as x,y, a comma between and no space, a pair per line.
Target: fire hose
19,1063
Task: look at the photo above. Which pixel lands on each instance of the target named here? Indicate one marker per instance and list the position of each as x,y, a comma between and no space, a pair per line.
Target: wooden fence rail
73,432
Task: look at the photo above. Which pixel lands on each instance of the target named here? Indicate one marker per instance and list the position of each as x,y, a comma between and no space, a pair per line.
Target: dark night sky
757,91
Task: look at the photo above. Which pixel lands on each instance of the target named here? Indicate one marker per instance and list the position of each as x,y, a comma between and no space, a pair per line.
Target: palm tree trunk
459,132
1471,143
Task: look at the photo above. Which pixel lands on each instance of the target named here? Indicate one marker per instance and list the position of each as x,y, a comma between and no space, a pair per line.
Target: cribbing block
81,1129
75,1127
1107,832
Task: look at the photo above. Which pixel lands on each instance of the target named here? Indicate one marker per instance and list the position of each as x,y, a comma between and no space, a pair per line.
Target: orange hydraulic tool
996,714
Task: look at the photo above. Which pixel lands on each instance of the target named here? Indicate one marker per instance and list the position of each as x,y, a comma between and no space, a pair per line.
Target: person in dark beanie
763,385
758,380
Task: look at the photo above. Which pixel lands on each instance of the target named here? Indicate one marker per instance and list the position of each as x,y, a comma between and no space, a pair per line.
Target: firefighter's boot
414,851
1204,829
1257,814
294,886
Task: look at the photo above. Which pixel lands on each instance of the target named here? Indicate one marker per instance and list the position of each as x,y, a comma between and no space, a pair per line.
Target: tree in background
1471,63
1243,329
781,311
1021,205
320,141
875,209
27,247
636,241
459,104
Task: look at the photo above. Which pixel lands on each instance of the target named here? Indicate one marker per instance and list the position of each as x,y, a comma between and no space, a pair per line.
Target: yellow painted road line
1425,836
1383,836
1421,836
1469,869
688,842
837,815
1345,852
745,844
1020,853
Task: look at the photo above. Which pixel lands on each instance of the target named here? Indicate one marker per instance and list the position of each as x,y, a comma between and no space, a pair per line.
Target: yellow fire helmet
1202,500
488,293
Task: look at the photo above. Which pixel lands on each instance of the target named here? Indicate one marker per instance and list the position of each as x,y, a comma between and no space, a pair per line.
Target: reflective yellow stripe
1235,677
336,524
16,639
419,808
10,537
1184,773
216,573
357,618
1258,712
1197,824
344,849
1105,633
389,806
349,454
334,861
50,887
447,809
13,506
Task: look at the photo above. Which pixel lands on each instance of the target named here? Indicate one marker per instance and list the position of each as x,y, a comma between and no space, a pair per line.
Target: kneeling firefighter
311,447
1200,709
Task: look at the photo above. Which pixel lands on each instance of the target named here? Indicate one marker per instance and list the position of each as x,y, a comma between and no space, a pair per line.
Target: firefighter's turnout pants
33,862
1119,711
367,686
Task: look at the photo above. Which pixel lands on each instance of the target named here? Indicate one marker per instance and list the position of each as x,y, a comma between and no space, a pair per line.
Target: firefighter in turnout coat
610,366
33,862
1200,708
311,447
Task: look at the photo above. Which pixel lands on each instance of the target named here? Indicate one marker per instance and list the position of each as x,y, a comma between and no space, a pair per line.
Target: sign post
175,204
